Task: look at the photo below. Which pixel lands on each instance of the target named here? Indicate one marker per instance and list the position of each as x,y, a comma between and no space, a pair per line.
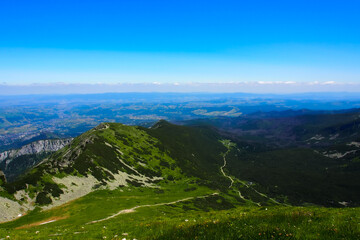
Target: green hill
177,182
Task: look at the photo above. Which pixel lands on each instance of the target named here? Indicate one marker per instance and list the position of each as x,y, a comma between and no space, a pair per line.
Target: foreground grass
214,217
274,223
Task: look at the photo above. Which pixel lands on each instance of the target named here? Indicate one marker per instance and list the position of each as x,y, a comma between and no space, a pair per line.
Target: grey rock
50,145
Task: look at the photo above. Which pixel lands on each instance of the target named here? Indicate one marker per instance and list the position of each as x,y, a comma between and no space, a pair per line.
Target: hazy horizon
236,87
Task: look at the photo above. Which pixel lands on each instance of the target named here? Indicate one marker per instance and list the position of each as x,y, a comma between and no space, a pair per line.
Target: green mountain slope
295,157
197,151
112,156
175,182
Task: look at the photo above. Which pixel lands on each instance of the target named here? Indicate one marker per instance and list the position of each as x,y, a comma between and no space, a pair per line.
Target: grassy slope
97,152
300,174
176,152
297,173
198,154
197,151
18,165
203,218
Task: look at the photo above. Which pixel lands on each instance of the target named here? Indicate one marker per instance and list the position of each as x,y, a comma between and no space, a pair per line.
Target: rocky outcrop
41,146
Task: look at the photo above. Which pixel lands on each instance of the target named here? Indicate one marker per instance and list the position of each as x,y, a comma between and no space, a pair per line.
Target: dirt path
148,205
232,181
222,169
224,174
50,220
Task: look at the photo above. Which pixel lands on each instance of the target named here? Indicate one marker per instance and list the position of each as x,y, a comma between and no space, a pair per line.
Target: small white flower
125,234
186,220
37,232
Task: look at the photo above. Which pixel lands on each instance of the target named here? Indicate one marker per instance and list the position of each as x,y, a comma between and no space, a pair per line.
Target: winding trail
228,146
223,173
149,205
222,169
129,210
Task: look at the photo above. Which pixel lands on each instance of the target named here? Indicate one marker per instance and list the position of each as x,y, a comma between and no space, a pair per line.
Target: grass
212,217
103,203
271,223
241,223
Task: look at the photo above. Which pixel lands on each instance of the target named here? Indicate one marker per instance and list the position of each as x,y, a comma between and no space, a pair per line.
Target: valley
25,119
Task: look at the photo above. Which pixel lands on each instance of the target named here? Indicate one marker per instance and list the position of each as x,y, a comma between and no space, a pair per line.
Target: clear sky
180,42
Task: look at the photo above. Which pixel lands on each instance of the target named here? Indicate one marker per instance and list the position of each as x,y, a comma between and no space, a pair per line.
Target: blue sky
167,42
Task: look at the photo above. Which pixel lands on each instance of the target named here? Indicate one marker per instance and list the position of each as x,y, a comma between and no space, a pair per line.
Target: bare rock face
51,145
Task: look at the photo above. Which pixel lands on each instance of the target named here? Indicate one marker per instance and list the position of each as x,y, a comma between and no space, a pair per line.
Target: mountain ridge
114,156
